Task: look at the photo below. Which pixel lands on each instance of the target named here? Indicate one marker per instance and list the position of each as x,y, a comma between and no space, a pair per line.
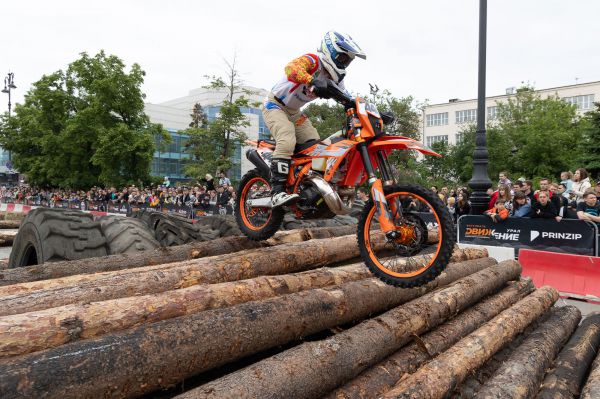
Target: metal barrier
190,212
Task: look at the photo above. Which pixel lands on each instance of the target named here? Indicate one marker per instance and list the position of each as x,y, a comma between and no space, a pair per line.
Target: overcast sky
424,48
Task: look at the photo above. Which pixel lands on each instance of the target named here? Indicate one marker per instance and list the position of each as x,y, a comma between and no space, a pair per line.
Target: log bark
285,258
520,376
157,355
312,369
477,378
591,389
380,378
438,377
7,237
282,259
159,256
35,331
566,378
10,224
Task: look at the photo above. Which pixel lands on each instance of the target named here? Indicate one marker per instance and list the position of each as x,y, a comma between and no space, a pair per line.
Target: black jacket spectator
547,211
223,198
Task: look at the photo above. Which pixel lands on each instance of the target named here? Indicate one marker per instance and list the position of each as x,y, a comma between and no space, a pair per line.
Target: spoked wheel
256,223
422,248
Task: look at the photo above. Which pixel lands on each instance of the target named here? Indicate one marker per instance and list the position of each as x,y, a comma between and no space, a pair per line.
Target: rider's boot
279,172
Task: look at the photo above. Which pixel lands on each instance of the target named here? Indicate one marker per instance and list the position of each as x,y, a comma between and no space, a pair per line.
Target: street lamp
9,84
480,180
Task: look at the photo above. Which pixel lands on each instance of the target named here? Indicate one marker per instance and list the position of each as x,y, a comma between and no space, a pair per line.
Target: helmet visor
343,60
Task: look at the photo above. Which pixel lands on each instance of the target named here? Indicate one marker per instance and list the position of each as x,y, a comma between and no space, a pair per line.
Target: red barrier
575,276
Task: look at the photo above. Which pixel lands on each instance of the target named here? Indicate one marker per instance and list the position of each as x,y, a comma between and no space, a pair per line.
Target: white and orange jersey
293,89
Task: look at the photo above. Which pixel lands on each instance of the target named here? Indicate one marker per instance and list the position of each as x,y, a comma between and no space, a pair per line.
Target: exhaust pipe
253,156
332,199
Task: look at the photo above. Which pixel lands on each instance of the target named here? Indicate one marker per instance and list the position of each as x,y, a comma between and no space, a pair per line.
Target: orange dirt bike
395,241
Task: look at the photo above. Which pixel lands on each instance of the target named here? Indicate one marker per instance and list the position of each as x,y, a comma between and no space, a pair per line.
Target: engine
311,203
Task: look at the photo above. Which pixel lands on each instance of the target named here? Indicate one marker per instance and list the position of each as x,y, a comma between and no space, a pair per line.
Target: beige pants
288,127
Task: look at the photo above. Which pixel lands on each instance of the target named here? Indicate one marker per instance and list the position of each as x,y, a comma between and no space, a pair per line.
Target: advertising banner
567,236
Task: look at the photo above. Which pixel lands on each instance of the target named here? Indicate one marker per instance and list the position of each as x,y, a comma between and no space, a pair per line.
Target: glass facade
171,160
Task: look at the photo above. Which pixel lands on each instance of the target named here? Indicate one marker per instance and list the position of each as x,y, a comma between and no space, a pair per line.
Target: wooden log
520,376
7,237
477,378
380,378
34,331
314,368
567,376
281,259
438,377
591,389
10,224
159,256
157,355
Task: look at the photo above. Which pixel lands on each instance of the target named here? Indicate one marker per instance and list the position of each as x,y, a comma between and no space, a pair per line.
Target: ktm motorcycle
405,232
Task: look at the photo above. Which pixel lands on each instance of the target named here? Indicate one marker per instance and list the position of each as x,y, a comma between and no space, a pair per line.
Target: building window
467,115
492,113
437,119
435,139
581,102
459,137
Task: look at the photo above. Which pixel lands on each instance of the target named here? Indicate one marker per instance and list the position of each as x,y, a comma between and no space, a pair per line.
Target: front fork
385,211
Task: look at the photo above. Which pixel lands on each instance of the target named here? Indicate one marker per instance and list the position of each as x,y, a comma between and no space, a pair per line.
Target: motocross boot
279,171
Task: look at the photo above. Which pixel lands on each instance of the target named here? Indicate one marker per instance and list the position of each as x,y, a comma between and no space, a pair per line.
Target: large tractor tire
177,230
126,235
50,235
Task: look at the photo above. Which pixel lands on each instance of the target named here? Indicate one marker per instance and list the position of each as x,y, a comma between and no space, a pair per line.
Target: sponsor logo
562,236
534,234
478,231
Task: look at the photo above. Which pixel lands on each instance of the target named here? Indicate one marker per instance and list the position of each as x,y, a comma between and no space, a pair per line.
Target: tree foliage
531,136
212,145
589,146
83,126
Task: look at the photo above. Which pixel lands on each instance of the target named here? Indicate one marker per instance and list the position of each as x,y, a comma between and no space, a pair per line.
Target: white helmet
337,52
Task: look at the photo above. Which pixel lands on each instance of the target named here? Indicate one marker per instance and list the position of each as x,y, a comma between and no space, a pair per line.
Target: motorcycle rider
281,109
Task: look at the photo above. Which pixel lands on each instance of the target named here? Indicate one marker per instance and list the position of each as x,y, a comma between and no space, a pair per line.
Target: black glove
319,88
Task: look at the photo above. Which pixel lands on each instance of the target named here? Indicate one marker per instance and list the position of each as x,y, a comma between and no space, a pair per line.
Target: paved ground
585,307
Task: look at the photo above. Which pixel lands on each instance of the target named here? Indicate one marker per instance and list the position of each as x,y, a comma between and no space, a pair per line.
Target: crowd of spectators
203,195
572,196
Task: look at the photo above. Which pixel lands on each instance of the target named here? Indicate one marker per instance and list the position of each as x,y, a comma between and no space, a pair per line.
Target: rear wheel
422,249
256,223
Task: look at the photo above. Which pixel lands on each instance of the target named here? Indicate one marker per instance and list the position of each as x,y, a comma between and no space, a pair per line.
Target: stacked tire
172,230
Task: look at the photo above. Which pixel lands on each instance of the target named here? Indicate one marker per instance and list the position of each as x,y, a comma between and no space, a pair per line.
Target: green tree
541,130
589,147
83,126
212,146
326,117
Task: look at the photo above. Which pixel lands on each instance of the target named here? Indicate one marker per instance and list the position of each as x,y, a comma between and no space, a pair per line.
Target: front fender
388,143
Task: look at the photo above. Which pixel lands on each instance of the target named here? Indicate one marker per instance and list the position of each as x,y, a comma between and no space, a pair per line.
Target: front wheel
425,243
256,223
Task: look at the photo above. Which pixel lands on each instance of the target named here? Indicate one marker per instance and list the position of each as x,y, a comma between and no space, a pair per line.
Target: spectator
503,179
451,205
562,190
503,193
581,183
545,187
124,196
527,190
520,208
462,204
499,213
210,183
559,201
517,186
222,199
566,178
589,209
544,208
445,194
224,180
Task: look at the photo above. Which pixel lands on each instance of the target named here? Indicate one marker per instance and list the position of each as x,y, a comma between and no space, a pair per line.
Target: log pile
296,317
